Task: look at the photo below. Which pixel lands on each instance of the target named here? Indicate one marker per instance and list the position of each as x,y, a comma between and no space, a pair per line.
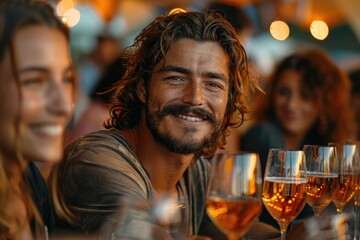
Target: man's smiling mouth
191,118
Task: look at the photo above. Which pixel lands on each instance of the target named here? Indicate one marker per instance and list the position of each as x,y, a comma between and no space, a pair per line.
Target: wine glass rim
235,152
285,150
342,144
314,145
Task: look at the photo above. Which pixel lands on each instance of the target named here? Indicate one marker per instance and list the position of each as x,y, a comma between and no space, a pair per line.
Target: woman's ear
141,91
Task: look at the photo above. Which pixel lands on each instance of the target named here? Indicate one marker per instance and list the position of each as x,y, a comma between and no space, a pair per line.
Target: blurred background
123,19
270,30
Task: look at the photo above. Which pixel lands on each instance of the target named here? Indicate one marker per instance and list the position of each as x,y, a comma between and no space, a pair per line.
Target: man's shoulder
111,138
99,147
105,160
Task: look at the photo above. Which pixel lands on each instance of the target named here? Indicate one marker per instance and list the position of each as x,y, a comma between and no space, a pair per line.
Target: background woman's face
46,86
294,105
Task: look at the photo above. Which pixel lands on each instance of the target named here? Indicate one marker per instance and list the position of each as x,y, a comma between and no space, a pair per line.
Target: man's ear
141,91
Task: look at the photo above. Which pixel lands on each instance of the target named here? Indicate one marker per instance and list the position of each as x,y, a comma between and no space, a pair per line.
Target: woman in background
307,101
37,95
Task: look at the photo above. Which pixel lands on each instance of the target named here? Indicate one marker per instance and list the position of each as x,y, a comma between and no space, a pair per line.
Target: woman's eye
32,81
283,92
69,79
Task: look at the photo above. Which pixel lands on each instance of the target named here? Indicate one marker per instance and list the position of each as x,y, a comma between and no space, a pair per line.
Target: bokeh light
175,10
63,6
71,17
279,30
319,29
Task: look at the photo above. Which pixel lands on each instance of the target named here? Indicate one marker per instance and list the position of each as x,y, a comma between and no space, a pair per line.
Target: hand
324,228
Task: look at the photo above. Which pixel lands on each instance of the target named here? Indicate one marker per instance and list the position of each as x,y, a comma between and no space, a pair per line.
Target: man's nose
194,94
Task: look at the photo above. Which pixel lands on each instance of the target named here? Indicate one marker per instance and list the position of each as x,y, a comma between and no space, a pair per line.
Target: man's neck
164,167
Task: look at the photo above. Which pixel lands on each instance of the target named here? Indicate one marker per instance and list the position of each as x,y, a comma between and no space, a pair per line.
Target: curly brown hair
330,87
151,47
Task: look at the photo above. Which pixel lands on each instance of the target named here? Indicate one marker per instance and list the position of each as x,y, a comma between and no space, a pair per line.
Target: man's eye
174,79
215,85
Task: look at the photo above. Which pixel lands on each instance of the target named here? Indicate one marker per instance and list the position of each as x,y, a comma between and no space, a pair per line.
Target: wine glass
357,193
284,189
146,219
347,179
322,176
234,193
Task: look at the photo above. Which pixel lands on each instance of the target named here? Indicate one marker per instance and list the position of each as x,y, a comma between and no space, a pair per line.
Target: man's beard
179,145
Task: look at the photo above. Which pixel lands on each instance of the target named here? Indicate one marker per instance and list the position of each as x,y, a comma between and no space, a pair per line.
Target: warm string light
68,13
279,30
175,10
319,29
71,17
63,6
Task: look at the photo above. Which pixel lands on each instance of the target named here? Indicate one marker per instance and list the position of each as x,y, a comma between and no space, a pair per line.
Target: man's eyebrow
216,75
171,68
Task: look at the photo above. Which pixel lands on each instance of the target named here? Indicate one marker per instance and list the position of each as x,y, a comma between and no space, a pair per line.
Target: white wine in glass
234,194
284,189
348,177
356,201
322,176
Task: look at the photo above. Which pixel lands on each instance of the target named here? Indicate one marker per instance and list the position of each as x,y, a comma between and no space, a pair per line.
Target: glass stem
283,235
283,228
339,210
317,212
357,218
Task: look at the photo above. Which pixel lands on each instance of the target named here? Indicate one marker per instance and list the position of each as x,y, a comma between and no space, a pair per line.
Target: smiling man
186,84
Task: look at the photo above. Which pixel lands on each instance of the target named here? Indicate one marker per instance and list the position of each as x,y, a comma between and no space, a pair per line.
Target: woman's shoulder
262,129
262,136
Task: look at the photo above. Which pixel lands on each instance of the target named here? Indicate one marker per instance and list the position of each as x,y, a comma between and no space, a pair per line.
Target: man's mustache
184,109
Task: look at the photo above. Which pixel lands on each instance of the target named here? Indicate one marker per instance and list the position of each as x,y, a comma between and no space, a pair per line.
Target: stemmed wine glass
234,192
322,176
347,179
146,219
357,193
284,189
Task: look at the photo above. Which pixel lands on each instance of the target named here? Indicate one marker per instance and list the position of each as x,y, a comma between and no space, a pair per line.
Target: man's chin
183,145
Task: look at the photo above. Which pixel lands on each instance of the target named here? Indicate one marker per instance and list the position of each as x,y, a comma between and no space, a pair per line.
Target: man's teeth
191,119
50,129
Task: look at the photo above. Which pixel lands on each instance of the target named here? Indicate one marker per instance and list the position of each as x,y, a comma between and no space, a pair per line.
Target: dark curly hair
327,83
150,48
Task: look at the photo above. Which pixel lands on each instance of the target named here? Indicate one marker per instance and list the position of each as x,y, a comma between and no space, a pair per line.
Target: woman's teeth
50,129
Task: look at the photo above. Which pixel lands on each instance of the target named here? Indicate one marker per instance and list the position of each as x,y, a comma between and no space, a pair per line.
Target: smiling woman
307,102
37,93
